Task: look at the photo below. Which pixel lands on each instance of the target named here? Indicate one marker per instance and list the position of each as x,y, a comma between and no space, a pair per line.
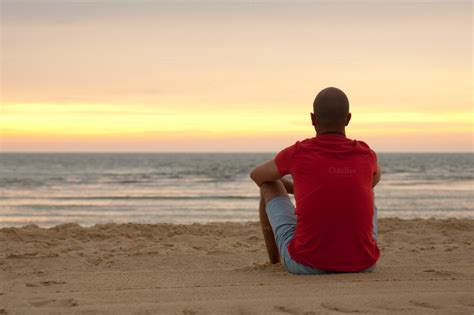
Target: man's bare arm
265,172
376,177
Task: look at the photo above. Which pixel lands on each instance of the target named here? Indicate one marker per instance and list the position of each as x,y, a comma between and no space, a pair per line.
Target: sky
232,76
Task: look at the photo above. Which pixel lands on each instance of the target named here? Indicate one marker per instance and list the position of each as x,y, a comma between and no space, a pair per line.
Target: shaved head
331,108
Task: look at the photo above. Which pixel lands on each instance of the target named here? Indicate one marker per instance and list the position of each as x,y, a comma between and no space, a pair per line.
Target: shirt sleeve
283,160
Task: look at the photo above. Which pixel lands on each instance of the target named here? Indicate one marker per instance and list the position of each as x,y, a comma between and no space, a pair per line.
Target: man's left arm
265,172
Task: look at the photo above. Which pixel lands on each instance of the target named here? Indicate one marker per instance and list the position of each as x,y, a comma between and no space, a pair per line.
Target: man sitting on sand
334,225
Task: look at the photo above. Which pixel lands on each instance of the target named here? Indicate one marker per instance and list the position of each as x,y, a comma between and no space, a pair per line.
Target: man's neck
324,132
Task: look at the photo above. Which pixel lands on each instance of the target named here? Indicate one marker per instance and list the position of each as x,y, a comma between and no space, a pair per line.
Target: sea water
88,188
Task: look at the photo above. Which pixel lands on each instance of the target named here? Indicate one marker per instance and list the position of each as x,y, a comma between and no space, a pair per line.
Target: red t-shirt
334,202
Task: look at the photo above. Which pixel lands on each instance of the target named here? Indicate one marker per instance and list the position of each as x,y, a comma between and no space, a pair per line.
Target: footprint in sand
43,283
22,255
69,302
217,252
424,304
438,272
93,260
31,255
340,309
284,309
449,249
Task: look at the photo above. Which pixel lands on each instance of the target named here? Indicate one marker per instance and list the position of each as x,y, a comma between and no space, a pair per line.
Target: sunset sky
232,75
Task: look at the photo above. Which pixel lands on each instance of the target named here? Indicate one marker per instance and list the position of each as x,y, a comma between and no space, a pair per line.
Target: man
334,225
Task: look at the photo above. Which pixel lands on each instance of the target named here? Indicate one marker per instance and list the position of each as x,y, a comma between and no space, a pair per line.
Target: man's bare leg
268,191
268,235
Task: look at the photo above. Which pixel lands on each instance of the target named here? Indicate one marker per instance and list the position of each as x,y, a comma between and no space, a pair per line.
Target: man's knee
270,190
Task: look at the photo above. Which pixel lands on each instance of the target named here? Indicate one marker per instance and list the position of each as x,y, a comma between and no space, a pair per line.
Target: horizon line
199,152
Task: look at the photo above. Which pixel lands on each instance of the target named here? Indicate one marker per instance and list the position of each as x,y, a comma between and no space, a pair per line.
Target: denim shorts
281,214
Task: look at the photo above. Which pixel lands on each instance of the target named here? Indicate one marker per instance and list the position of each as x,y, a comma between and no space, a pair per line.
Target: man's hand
288,185
376,177
265,172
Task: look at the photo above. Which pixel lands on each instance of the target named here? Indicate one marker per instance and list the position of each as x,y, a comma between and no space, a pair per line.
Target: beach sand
426,266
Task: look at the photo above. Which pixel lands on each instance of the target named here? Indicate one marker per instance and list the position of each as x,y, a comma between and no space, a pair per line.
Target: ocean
88,188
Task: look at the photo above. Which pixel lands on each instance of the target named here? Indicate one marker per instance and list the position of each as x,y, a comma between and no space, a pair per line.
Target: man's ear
349,116
313,119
